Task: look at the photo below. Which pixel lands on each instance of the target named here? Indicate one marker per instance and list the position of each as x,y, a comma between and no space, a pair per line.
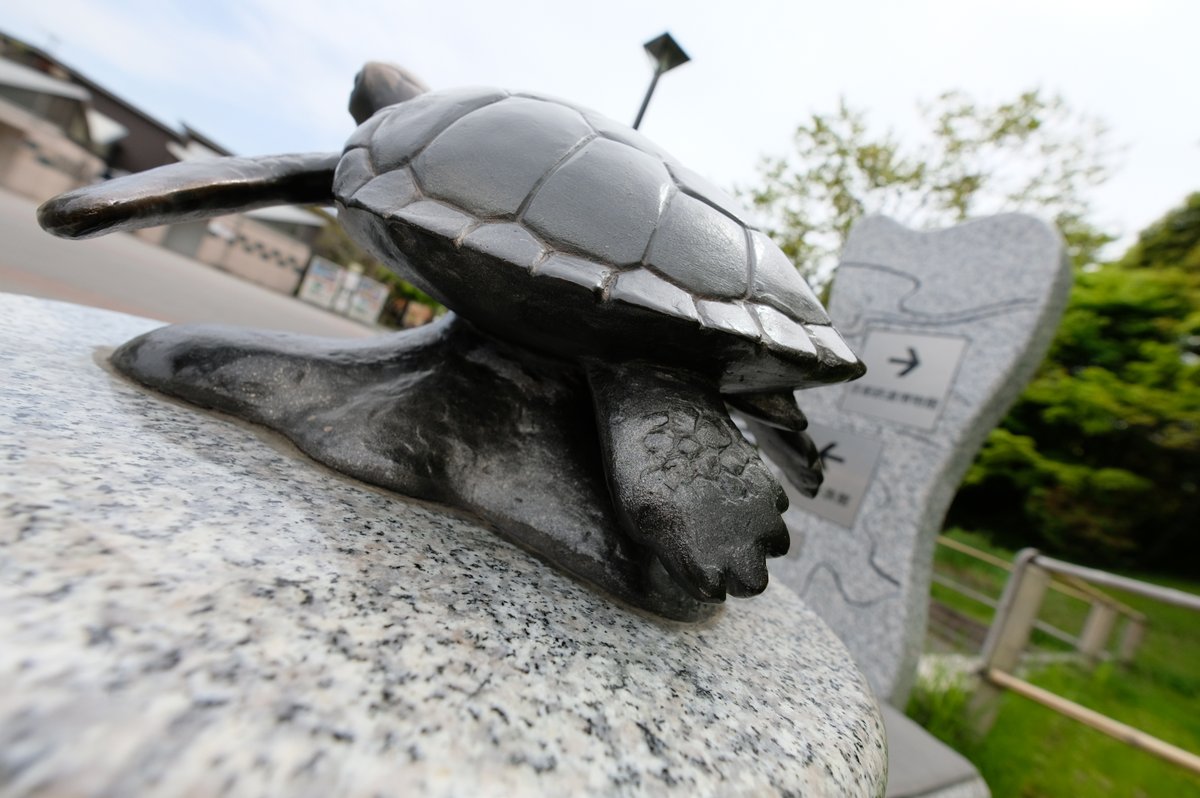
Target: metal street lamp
667,54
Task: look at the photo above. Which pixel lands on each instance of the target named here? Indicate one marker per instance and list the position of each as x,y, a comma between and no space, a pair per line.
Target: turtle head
378,85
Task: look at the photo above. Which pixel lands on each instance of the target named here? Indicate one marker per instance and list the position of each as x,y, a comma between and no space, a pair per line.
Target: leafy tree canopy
1032,154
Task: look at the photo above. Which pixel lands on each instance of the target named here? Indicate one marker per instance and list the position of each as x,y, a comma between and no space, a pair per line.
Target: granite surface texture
978,304
190,607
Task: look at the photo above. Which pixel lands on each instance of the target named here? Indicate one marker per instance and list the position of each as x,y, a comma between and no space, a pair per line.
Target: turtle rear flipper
684,481
190,190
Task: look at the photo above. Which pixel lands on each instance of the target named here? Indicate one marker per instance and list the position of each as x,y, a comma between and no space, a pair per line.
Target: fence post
1093,640
1009,633
1131,638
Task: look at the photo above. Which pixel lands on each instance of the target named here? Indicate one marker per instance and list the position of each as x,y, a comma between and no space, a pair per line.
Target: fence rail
988,601
1073,586
1072,580
1102,723
1015,619
1167,595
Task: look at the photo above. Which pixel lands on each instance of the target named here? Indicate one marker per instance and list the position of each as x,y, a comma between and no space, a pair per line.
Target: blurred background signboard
367,300
344,291
320,284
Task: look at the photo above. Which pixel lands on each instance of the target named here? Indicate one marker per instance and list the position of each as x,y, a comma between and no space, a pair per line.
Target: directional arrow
910,364
825,454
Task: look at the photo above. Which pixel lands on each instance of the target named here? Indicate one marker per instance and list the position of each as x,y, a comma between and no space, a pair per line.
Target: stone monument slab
188,606
951,324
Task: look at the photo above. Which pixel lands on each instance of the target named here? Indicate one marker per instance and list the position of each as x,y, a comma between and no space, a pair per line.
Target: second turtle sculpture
607,304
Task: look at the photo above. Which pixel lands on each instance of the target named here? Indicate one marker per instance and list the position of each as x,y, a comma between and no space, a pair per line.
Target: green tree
1100,458
1032,154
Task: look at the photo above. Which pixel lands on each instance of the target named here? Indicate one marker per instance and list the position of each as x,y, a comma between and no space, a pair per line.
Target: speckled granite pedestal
190,607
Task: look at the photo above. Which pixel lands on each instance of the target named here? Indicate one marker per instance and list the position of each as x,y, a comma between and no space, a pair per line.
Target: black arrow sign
826,454
910,364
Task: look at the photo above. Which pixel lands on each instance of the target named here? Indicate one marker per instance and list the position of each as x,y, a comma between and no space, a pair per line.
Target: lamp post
667,54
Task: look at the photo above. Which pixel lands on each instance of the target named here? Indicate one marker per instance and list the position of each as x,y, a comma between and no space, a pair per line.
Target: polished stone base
191,606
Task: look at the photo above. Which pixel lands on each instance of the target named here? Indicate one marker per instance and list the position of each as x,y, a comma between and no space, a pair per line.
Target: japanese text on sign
909,376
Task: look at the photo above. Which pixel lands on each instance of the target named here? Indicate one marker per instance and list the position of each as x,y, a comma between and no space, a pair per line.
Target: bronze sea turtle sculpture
607,303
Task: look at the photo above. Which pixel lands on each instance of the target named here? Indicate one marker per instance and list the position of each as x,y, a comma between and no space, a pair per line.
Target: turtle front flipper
684,481
190,190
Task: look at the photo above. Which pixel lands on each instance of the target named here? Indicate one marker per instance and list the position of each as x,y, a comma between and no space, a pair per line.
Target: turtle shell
550,224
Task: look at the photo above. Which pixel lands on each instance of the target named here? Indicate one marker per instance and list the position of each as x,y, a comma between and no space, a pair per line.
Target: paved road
123,273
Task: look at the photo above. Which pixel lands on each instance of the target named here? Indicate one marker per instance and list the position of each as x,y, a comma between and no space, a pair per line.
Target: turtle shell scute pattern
569,195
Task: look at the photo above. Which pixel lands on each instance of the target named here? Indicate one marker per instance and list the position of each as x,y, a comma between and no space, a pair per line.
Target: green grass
1033,751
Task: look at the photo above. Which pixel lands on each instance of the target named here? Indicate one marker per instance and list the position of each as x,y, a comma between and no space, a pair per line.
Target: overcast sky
267,76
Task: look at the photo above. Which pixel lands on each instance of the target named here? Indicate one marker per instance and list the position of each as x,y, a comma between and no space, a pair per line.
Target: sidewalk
122,273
